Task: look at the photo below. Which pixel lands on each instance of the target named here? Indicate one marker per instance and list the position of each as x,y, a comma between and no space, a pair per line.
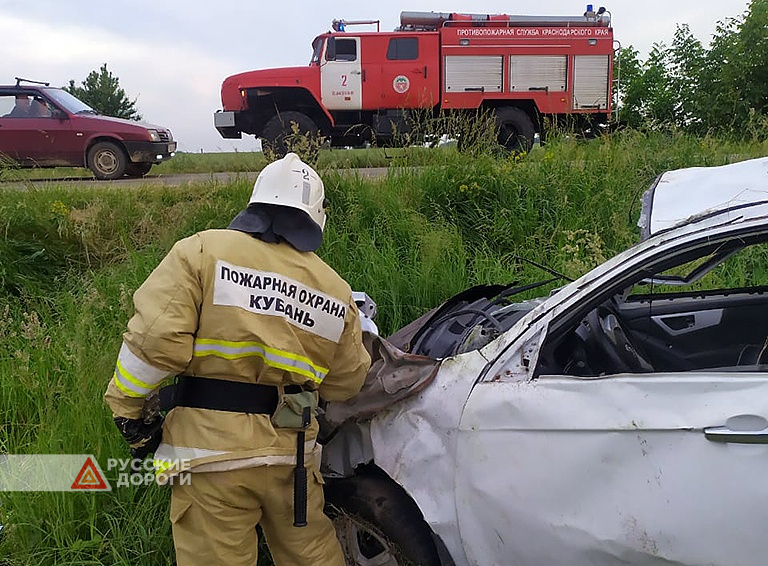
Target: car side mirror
59,114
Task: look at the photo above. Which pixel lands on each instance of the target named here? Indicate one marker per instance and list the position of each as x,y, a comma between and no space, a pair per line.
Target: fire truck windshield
317,48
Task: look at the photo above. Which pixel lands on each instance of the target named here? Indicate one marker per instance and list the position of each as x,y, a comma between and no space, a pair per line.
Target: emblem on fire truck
401,84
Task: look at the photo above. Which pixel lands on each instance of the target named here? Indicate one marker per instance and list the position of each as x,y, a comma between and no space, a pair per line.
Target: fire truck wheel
377,523
280,133
516,129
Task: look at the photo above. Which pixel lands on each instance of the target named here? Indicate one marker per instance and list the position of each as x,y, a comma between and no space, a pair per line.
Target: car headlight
154,135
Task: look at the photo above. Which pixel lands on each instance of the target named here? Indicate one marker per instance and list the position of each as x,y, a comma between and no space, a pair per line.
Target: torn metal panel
349,447
393,376
415,443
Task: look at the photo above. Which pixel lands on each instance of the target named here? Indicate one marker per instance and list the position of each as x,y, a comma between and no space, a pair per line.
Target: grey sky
172,56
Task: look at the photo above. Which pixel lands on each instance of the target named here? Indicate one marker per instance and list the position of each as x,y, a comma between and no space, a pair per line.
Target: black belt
222,395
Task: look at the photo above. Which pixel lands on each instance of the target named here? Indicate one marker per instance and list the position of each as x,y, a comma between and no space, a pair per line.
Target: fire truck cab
373,85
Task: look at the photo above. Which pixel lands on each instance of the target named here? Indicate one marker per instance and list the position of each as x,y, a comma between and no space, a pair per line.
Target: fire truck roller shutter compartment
468,73
538,72
590,81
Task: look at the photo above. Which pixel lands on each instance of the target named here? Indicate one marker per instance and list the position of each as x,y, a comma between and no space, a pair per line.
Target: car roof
685,196
25,89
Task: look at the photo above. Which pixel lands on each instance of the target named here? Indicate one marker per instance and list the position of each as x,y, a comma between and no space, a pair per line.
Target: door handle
678,324
725,434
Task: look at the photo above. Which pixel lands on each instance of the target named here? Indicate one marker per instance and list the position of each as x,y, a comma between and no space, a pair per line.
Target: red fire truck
368,86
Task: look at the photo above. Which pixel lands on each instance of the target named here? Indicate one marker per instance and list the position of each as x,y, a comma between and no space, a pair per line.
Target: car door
632,467
614,470
341,86
408,73
15,142
9,139
51,142
57,141
44,139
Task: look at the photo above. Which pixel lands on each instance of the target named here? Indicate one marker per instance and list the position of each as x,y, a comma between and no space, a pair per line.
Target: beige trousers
214,519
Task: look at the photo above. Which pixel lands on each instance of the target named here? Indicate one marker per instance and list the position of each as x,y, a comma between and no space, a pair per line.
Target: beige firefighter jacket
225,305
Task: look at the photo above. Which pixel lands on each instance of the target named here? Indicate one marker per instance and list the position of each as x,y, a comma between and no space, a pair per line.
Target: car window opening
702,313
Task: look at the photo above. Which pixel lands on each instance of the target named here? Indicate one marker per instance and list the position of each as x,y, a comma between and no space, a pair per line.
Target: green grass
440,221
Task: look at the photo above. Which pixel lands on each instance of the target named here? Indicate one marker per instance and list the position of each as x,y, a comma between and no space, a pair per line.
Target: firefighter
254,326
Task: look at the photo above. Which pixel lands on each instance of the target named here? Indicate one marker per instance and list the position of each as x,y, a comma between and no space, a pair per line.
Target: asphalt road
170,180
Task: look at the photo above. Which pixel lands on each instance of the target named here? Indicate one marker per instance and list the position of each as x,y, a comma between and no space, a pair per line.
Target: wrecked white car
621,420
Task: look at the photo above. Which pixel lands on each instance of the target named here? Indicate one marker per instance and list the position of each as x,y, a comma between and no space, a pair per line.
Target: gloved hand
143,437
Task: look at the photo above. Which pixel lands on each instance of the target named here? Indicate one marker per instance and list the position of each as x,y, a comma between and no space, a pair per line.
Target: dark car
44,126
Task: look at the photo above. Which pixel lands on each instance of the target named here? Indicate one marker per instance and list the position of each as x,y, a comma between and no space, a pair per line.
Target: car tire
377,523
137,169
107,161
515,129
277,134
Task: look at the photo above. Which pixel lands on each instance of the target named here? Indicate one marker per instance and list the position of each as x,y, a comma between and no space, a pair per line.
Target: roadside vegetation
701,89
441,220
437,223
237,162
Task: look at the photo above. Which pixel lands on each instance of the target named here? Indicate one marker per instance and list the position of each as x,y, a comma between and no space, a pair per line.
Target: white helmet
291,182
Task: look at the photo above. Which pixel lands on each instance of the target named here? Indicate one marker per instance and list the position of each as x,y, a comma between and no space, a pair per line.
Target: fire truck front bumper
224,121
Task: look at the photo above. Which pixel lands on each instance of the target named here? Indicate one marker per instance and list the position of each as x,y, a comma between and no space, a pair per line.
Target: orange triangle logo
89,477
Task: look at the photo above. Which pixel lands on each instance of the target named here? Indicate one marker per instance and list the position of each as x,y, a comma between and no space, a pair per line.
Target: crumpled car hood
668,202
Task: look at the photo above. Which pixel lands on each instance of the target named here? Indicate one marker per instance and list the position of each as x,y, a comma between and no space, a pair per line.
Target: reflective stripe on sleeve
134,377
272,356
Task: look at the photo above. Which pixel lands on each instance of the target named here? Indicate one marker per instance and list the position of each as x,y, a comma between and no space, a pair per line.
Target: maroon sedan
43,126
